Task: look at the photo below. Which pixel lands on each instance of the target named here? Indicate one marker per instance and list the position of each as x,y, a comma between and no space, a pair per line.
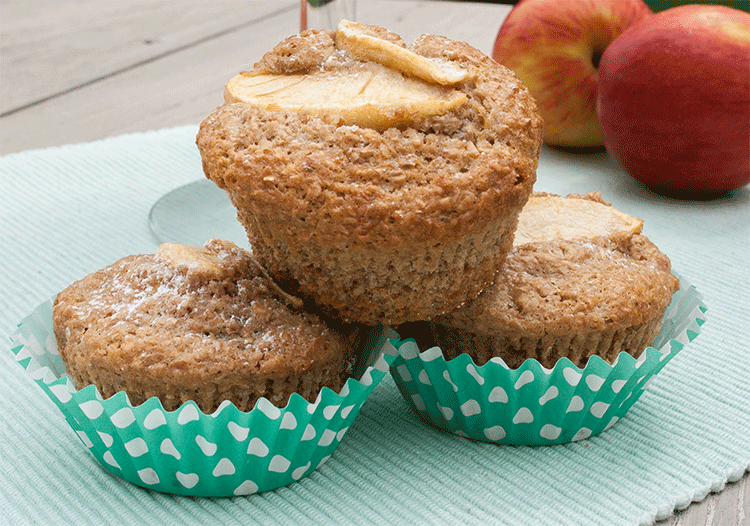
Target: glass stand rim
193,213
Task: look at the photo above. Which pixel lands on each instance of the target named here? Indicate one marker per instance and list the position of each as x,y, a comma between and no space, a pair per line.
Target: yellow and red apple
554,47
674,100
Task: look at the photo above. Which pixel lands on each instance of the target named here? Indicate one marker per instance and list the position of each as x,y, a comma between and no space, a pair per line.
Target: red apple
554,47
674,100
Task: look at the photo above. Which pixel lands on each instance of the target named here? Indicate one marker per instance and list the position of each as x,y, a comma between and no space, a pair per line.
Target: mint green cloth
69,211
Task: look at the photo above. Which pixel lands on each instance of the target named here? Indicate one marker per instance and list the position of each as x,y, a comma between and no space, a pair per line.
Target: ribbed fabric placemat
72,210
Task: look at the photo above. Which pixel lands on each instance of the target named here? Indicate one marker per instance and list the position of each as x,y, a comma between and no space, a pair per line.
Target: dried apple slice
547,218
370,95
195,259
360,42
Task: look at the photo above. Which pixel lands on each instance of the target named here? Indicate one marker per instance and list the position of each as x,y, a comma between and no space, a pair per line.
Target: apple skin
554,46
674,101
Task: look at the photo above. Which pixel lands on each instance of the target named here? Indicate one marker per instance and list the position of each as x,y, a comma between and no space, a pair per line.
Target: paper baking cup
533,405
188,452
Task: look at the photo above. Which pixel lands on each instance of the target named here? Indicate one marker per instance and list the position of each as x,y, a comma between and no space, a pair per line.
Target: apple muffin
202,324
382,181
580,281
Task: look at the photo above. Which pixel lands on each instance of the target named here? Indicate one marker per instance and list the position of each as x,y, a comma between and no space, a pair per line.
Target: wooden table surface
79,71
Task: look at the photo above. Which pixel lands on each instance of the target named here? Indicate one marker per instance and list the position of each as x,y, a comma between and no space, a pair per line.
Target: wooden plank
50,47
173,89
729,507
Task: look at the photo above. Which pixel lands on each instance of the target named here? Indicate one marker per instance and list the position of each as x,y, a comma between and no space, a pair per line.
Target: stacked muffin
382,182
557,348
581,281
197,324
378,184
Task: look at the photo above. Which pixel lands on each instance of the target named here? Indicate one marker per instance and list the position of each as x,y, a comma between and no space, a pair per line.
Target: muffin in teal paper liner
534,405
190,371
226,453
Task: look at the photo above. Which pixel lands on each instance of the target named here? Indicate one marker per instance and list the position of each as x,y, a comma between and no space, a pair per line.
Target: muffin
382,181
201,324
533,404
581,281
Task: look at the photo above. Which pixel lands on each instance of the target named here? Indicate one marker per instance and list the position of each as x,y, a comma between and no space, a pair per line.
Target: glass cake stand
194,213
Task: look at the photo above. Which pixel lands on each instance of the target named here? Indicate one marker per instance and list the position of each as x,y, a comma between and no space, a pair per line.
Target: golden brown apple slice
195,259
371,95
360,42
547,218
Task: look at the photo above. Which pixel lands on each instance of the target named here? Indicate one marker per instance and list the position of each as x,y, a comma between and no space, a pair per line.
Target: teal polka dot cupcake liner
533,405
187,452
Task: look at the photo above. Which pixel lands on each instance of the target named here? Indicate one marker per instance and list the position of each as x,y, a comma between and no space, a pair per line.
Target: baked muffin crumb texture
195,324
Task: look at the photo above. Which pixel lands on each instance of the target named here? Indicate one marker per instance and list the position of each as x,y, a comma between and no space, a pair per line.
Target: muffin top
362,139
577,263
192,314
